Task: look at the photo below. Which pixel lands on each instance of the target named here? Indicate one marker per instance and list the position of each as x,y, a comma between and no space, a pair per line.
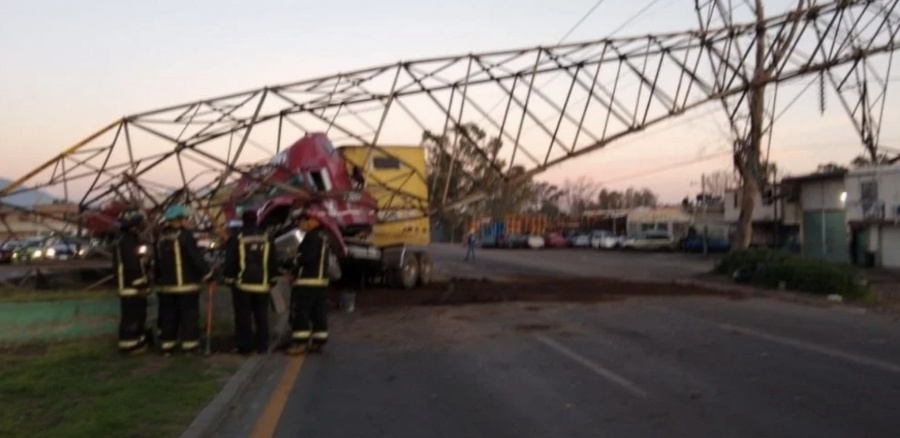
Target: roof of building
816,176
674,214
873,170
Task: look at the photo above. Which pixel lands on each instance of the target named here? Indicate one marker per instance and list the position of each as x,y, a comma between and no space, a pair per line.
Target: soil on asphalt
526,289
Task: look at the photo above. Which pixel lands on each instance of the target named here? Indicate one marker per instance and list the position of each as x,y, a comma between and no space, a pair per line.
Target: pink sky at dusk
66,70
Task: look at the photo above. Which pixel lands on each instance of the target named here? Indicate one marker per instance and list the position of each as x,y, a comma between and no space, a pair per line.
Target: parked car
602,239
650,241
29,250
62,251
581,240
555,240
535,241
695,244
516,241
7,250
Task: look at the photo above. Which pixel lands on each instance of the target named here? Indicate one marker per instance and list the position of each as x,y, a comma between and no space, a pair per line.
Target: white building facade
873,214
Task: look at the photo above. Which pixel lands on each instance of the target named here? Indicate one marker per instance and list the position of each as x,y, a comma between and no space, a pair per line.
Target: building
673,220
872,202
708,216
43,220
612,220
819,200
774,224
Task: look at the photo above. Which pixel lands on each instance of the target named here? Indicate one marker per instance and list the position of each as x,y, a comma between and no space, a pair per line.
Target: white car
603,239
581,241
651,241
536,242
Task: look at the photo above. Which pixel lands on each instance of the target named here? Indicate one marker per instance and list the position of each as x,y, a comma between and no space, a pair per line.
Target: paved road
634,265
650,367
644,367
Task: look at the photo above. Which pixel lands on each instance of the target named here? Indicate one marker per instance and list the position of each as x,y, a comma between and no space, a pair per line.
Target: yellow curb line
268,421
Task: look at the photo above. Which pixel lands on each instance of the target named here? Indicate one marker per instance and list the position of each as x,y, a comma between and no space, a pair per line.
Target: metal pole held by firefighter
209,317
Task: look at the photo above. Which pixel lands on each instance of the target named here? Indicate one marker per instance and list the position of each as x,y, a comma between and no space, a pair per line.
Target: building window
382,163
868,191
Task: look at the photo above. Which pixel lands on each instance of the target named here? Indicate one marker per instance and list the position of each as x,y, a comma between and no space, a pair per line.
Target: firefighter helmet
130,218
176,212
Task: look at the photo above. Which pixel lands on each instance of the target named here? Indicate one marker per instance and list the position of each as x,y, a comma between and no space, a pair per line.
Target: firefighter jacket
251,263
130,274
180,267
310,267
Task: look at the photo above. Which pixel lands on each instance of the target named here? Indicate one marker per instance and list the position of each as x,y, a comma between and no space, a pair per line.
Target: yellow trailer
395,177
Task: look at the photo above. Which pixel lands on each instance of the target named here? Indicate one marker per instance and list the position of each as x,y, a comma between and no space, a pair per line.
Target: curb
205,422
796,297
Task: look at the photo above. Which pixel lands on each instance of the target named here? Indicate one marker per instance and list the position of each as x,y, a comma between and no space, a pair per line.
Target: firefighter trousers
309,315
250,309
179,314
132,321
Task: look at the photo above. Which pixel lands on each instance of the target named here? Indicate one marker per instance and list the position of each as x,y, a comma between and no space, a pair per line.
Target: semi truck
371,201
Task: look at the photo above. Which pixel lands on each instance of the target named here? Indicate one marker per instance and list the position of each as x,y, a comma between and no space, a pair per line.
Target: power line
669,167
610,35
632,18
584,17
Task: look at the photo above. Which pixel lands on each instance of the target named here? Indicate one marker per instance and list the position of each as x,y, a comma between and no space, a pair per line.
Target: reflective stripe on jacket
310,266
130,274
250,264
180,267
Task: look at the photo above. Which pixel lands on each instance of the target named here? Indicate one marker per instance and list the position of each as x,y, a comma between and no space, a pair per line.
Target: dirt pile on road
538,289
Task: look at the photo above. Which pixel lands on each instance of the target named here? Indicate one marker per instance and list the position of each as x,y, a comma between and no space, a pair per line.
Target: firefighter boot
297,349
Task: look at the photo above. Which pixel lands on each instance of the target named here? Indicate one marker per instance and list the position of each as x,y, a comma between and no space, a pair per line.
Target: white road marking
796,343
599,370
861,360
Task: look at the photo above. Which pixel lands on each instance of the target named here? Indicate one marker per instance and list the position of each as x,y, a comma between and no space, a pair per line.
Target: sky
68,68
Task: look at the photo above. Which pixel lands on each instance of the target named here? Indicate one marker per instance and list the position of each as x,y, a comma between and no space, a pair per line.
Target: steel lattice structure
609,89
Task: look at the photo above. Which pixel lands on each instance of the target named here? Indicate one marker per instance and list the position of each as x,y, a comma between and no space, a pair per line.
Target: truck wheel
425,269
408,273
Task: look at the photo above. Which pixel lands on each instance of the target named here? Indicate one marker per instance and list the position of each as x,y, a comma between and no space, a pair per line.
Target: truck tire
425,269
407,274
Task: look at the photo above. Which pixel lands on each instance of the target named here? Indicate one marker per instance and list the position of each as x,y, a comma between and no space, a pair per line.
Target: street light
843,197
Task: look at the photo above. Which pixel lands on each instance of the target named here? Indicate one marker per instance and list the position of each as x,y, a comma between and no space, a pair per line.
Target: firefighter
131,277
251,269
308,288
180,270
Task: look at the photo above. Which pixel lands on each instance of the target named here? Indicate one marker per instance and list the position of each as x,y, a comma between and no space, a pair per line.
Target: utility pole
705,225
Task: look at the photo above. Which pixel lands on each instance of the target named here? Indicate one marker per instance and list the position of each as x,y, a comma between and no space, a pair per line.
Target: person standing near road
471,240
133,285
309,287
251,269
180,270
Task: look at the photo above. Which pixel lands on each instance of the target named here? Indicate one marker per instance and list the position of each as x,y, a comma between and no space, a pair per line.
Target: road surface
641,367
631,265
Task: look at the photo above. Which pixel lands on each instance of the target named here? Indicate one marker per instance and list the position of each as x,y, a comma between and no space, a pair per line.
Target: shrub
749,259
768,268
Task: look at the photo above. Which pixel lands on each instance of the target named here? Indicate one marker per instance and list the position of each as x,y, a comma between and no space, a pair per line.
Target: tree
719,182
545,198
646,198
748,150
579,194
830,168
863,160
630,198
466,161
